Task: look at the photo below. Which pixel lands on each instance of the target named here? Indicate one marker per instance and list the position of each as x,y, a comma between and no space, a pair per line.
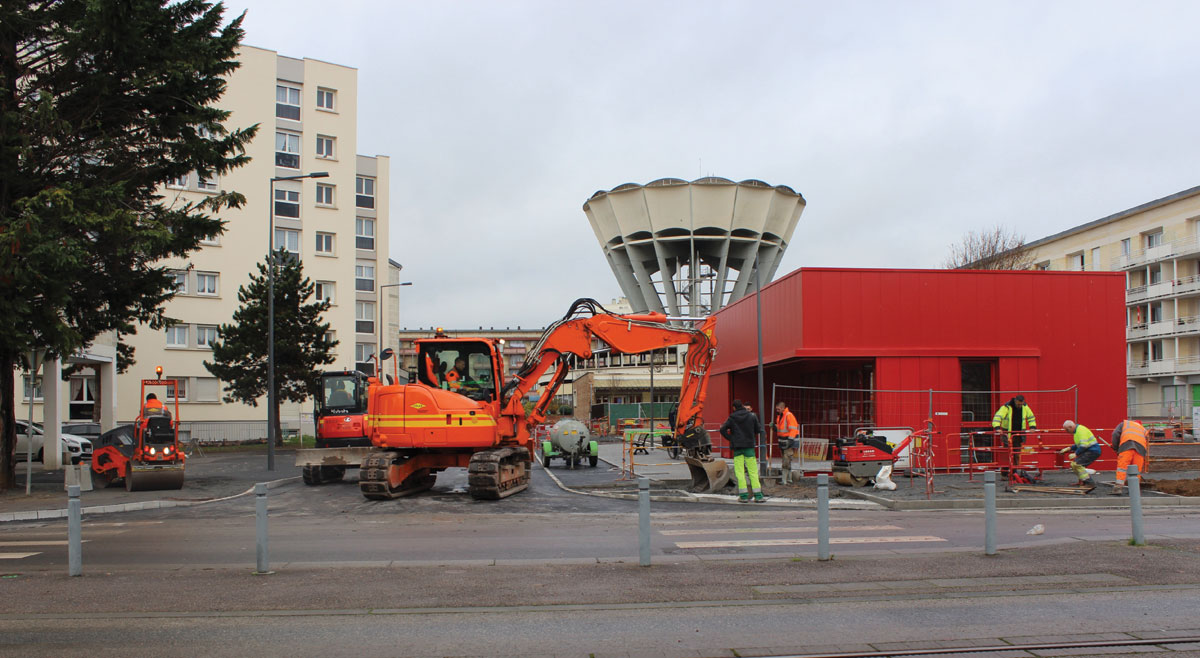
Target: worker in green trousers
743,430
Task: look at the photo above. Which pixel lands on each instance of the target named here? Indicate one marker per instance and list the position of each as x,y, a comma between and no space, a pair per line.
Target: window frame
363,236
286,102
286,232
331,142
216,280
183,384
178,183
171,332
204,329
331,94
287,202
330,238
359,278
181,281
321,287
361,323
205,184
362,198
330,190
292,158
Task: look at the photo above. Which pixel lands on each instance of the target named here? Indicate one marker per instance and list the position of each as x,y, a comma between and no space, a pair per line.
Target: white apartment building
1157,245
336,225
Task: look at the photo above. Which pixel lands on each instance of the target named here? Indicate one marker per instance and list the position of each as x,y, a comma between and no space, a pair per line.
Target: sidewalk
208,478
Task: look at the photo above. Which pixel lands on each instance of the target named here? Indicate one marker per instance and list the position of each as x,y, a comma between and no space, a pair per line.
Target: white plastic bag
883,479
1036,530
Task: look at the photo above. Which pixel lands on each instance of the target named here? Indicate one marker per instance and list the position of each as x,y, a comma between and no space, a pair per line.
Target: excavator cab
466,367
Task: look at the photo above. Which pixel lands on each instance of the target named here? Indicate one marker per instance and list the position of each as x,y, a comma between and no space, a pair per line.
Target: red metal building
867,346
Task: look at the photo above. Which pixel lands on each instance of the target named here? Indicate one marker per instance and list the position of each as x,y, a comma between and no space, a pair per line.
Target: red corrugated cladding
1043,331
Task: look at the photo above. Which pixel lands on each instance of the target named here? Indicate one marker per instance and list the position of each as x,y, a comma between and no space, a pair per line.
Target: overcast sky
903,124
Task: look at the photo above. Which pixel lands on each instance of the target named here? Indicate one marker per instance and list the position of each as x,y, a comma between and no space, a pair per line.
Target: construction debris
1070,491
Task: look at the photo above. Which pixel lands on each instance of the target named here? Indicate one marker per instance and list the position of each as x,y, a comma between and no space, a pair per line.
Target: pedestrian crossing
873,535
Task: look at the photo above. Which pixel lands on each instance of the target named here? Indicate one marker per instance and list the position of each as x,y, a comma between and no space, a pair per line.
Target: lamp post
271,420
381,325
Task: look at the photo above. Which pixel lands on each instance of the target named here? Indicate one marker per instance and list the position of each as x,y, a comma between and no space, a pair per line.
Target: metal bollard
74,532
1135,505
260,526
823,516
644,522
989,513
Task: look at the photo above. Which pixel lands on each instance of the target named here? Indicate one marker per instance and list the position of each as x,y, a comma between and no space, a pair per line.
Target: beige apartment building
1157,245
337,225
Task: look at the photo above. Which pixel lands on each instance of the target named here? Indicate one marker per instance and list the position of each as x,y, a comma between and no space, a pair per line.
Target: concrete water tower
689,248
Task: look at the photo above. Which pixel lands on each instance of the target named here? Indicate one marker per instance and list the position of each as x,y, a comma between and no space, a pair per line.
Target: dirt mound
1171,464
1175,487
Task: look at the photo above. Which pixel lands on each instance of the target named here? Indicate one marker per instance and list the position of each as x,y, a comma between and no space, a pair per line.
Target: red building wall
1043,330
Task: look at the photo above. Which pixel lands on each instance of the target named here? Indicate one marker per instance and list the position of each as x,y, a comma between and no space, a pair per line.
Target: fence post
644,522
74,531
989,513
823,516
1135,505
260,527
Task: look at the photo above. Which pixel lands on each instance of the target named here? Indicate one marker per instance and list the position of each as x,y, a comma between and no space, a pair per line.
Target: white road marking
37,542
736,543
16,556
812,528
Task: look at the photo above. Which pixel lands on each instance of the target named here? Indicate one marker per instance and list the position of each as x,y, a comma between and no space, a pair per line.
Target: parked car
89,431
79,447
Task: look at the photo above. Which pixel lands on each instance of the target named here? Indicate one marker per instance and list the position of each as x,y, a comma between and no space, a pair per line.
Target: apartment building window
364,317
1043,266
287,150
325,146
207,389
364,189
362,357
206,283
287,203
30,387
324,195
327,291
1075,262
179,182
288,240
287,102
331,338
1156,312
1126,245
181,281
206,183
1156,350
326,99
325,243
1096,258
1154,239
181,385
206,336
177,336
364,233
1155,274
364,277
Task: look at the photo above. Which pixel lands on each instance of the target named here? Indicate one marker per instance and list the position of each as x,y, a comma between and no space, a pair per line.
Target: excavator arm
588,322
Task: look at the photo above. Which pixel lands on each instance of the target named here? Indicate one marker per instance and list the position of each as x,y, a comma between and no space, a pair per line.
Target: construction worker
456,375
1086,449
787,431
743,430
153,406
1012,432
1133,447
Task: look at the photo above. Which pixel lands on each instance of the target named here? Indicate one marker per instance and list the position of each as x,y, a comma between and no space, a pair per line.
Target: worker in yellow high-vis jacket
1011,421
1086,448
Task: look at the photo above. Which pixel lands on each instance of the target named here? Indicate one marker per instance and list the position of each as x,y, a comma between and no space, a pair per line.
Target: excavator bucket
708,476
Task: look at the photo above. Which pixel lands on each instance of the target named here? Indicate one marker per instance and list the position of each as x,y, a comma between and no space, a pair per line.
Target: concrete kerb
37,515
682,496
1103,501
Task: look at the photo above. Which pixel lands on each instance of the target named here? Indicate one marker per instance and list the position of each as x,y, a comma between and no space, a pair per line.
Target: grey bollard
260,526
74,531
823,517
644,522
1135,505
989,513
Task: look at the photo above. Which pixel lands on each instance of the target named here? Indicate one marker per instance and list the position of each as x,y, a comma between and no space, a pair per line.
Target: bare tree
996,248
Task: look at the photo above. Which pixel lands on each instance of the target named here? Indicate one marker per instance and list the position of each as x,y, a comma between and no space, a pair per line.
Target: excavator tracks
373,477
498,473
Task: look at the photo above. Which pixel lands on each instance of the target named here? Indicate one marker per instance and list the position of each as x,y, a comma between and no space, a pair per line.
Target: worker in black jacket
743,430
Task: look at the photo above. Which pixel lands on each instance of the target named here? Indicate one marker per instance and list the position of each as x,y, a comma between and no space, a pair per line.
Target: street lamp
271,420
381,325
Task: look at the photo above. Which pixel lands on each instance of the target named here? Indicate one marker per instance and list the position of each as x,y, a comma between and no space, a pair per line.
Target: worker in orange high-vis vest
787,432
1133,447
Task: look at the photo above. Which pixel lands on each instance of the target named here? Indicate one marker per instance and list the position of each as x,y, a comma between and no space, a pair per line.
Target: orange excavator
476,418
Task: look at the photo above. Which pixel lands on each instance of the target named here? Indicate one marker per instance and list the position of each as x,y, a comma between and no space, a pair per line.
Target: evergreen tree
101,103
302,342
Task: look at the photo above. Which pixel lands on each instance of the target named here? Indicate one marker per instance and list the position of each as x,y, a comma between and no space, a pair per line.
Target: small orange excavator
151,458
475,418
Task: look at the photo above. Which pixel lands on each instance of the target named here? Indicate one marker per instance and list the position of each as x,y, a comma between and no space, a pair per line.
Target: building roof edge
1149,205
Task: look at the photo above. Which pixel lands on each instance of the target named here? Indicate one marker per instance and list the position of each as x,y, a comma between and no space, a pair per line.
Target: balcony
1153,291
1175,249
1184,365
